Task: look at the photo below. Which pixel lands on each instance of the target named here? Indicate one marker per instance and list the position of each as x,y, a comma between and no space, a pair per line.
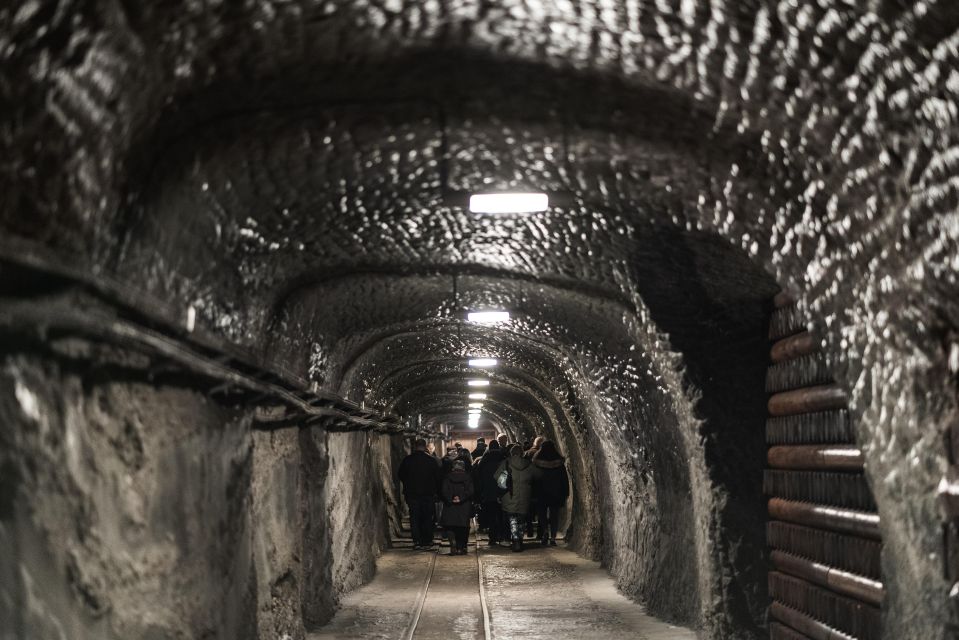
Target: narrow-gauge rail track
410,631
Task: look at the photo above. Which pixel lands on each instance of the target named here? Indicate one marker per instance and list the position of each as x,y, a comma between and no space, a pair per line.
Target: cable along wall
823,529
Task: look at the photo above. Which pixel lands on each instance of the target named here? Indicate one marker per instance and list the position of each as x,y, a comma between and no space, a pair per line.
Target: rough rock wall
136,510
276,515
344,519
127,508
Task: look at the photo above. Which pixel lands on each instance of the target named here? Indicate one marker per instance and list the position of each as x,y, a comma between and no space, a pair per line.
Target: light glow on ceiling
476,405
483,362
477,396
478,383
488,317
508,202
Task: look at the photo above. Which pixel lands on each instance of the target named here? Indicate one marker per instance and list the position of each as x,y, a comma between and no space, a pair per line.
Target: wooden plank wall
823,529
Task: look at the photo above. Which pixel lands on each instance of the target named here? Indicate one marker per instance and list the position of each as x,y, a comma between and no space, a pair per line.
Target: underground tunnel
242,250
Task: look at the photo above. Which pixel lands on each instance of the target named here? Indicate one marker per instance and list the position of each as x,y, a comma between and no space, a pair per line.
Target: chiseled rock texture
131,510
283,170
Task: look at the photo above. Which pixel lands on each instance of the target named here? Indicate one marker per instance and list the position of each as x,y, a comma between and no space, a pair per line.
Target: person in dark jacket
487,493
551,490
533,507
457,493
420,474
480,448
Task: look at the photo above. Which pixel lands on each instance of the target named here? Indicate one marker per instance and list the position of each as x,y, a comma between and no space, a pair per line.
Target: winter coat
457,514
485,475
518,498
479,450
420,474
552,486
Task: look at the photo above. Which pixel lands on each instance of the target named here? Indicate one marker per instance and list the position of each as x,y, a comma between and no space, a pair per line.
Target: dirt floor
549,593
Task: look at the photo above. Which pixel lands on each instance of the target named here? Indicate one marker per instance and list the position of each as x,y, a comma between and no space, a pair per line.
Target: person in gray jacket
520,475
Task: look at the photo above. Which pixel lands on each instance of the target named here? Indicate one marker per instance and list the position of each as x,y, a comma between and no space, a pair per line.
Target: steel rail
420,600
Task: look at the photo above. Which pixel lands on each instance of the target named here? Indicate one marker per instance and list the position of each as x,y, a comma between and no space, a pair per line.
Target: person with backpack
488,493
516,475
551,490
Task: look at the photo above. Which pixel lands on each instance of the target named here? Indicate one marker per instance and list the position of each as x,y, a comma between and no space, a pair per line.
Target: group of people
506,485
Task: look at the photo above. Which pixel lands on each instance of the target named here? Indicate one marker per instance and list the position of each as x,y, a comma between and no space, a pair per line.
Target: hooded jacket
457,514
551,488
518,499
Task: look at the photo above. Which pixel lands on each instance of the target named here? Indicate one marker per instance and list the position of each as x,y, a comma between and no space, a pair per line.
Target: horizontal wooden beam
843,582
801,344
806,625
858,523
816,457
824,397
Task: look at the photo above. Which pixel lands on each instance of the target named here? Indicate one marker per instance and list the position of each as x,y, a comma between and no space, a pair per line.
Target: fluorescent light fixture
475,412
508,202
477,396
478,383
476,405
488,317
483,362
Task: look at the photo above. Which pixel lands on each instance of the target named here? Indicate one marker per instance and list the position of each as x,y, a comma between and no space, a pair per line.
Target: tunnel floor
544,593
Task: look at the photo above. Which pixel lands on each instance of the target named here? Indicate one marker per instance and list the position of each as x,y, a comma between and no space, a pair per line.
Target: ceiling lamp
476,405
477,383
488,317
477,396
483,362
508,202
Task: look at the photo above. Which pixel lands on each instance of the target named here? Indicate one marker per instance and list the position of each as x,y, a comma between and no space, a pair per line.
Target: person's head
494,446
547,451
419,444
516,451
481,440
459,465
458,445
503,440
526,445
537,441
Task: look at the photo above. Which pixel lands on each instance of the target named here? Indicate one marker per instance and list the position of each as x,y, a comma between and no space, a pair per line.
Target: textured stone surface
144,511
280,167
130,509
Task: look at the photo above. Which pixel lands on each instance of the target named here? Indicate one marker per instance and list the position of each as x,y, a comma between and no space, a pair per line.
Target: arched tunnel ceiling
274,166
